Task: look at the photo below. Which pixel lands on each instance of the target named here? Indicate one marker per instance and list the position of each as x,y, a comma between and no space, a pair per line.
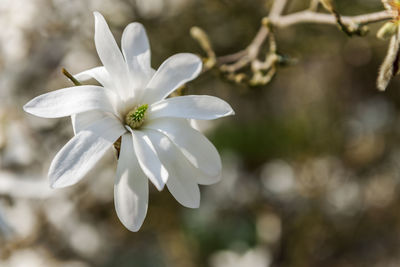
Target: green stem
69,76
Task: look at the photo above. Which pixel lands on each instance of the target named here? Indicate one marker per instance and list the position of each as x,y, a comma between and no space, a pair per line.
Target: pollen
136,116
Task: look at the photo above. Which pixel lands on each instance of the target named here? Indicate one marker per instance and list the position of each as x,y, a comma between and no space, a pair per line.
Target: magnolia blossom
157,141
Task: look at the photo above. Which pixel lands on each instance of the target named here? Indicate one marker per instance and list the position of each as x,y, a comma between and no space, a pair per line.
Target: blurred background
311,161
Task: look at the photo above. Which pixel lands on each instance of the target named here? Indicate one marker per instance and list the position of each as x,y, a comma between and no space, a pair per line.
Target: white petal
83,120
173,73
83,151
131,189
72,100
181,182
136,50
100,74
73,122
194,145
199,107
111,56
148,159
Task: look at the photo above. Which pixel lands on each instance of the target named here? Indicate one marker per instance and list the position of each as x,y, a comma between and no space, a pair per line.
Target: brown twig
277,8
231,64
308,16
231,58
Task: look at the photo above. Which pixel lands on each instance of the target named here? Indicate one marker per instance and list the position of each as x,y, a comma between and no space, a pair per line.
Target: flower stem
69,76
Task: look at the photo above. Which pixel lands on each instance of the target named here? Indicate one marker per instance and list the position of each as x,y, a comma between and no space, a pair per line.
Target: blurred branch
308,16
201,37
261,72
277,8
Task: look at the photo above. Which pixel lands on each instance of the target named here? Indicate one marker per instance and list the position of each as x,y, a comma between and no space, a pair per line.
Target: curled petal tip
230,111
53,185
216,179
160,187
97,16
58,183
133,229
26,107
30,108
194,206
137,24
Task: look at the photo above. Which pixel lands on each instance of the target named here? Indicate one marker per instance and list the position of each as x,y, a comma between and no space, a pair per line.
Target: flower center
136,116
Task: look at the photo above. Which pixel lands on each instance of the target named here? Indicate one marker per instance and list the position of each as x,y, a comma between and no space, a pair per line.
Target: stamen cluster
136,116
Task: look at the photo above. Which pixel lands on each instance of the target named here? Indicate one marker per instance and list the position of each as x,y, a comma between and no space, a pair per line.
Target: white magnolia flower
157,143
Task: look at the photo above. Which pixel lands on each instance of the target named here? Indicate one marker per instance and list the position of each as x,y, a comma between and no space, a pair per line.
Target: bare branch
277,8
320,18
201,37
232,57
264,70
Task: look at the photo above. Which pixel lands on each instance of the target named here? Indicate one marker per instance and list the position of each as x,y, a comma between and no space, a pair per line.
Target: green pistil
135,117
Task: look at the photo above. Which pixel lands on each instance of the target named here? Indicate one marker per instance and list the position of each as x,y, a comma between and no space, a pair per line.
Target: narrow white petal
84,120
173,73
131,189
111,56
100,74
148,159
83,151
181,182
136,50
199,107
194,145
72,100
73,122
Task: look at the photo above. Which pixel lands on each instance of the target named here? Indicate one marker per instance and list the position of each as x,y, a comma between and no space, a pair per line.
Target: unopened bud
390,65
266,22
201,37
387,30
